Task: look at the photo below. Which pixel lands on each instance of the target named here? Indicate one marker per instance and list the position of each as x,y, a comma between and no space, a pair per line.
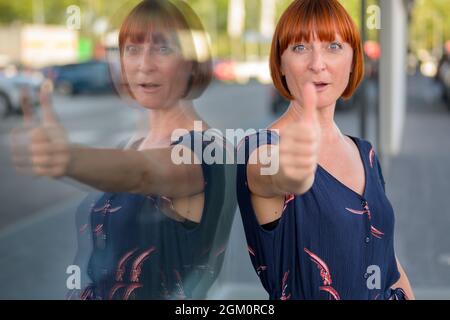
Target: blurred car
242,72
86,77
224,70
11,85
257,70
443,77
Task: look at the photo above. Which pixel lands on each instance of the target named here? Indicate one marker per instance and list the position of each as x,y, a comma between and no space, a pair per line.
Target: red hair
300,21
163,15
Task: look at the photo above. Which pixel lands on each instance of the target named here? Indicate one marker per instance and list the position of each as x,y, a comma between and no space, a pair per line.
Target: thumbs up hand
299,144
40,148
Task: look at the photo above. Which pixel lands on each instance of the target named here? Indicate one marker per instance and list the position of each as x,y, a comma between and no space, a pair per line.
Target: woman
158,229
321,227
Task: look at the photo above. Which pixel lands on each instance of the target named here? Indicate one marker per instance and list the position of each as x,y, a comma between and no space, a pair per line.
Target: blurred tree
424,32
430,25
12,11
6,11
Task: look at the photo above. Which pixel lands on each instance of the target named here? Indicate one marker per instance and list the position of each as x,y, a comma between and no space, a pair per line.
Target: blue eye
336,46
130,49
299,48
165,49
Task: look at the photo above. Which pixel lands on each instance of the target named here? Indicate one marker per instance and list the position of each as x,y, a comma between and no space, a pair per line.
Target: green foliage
431,24
425,16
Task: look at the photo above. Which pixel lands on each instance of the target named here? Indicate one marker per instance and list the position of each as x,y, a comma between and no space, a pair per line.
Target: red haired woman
158,229
321,227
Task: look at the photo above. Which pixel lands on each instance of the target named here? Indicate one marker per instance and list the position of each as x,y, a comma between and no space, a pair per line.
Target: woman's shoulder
361,142
367,151
257,138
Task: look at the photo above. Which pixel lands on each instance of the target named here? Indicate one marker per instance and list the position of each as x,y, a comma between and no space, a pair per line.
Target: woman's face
326,64
155,70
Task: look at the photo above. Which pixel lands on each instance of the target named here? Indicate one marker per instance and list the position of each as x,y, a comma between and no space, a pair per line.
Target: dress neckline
356,141
358,146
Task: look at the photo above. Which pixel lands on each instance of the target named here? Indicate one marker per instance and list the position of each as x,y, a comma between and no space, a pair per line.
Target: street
37,230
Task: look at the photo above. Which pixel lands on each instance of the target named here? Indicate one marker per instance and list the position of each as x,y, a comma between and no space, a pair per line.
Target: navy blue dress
331,242
129,246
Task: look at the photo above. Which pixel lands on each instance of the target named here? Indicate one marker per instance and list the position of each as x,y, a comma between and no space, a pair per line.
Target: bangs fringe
320,17
148,17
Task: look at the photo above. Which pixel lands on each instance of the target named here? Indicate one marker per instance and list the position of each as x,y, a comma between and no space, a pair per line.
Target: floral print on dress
284,285
374,231
325,275
371,157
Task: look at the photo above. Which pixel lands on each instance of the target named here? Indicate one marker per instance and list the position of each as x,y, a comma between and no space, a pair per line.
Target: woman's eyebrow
159,38
134,40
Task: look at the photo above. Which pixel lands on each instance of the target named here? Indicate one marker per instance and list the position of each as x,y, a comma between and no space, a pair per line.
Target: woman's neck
163,122
330,132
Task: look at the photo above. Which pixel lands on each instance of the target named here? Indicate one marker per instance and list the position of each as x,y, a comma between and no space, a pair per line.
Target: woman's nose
317,62
147,62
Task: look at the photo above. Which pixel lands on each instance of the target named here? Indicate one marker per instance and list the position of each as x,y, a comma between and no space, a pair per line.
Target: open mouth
149,86
321,85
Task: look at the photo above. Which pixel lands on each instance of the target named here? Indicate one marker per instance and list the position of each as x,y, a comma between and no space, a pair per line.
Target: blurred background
402,107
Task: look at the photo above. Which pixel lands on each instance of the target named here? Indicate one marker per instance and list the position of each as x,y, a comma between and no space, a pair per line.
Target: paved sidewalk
35,253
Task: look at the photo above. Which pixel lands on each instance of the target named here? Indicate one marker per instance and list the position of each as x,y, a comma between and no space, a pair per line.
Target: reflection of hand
40,149
299,144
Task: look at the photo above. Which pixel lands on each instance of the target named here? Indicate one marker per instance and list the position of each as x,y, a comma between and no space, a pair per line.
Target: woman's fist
299,145
40,148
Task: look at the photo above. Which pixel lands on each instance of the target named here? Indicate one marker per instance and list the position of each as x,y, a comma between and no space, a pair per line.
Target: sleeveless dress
331,242
129,248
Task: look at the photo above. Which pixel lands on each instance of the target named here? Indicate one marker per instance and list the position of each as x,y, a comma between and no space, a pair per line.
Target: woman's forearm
108,170
144,172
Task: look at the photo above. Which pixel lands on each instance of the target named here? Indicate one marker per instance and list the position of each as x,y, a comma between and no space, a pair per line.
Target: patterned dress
331,242
130,247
